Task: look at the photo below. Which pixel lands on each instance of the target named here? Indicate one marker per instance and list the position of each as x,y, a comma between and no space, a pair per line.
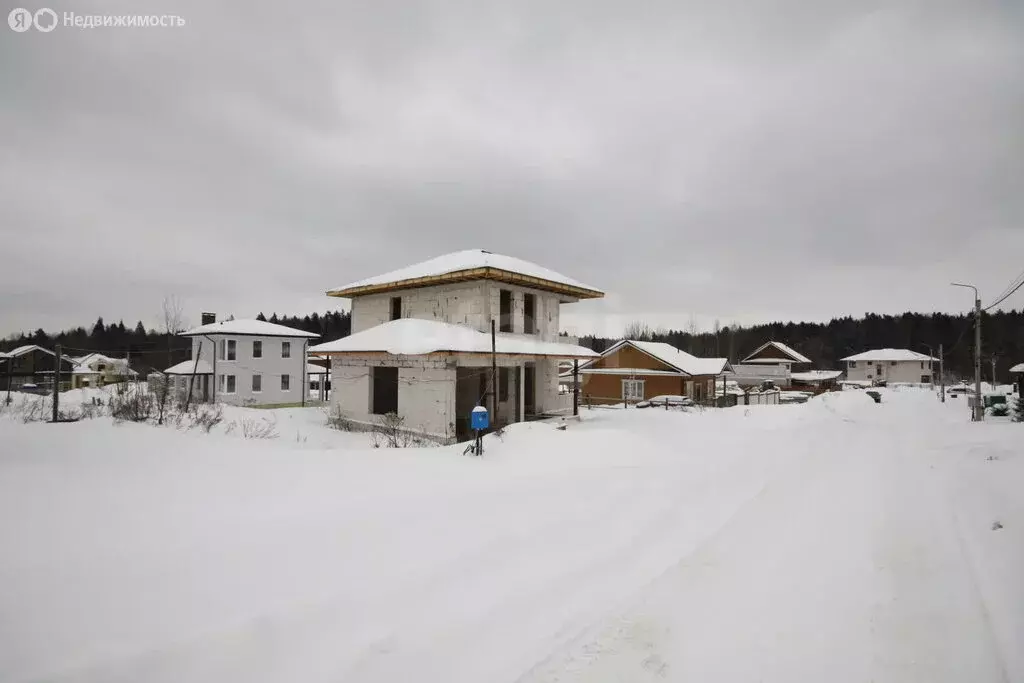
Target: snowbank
838,540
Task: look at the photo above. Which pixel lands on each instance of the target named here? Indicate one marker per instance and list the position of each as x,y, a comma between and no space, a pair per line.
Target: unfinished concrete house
421,343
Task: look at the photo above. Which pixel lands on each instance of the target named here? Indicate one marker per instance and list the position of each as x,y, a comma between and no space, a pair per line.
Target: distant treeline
826,343
156,349
823,343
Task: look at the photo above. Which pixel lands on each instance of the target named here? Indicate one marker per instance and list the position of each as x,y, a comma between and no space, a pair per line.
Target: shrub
336,419
265,428
389,432
134,406
39,410
205,416
1000,410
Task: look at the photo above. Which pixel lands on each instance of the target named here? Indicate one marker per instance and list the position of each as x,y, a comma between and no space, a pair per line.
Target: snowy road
839,540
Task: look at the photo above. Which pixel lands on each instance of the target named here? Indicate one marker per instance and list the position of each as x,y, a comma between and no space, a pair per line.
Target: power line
1012,284
1008,294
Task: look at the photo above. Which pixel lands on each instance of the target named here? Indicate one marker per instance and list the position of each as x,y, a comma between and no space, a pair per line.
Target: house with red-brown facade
631,371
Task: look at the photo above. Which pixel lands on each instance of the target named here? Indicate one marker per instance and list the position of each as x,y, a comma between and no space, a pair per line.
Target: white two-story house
421,343
890,366
244,362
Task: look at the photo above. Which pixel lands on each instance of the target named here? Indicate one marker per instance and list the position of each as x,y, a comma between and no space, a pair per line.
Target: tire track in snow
596,636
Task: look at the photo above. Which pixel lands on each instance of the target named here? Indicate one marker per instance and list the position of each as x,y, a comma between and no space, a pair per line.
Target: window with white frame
286,349
632,389
227,384
286,381
257,383
228,349
257,349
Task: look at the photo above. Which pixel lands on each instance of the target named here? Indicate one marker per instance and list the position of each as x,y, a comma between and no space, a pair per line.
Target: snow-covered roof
628,372
190,367
28,348
889,355
471,264
258,328
316,369
789,351
670,355
414,337
89,357
816,375
1019,367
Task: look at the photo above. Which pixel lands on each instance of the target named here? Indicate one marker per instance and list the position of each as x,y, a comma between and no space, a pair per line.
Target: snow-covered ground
305,427
839,540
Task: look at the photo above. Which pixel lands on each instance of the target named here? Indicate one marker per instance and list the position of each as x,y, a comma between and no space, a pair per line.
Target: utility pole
994,382
10,378
575,386
192,379
942,375
979,403
978,414
494,376
56,383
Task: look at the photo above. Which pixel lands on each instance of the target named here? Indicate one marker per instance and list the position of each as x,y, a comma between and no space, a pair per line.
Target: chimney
209,318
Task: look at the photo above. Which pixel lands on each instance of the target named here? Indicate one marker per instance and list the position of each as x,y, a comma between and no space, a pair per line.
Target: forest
823,343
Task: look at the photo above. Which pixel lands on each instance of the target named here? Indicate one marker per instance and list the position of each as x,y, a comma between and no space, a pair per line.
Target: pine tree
1018,408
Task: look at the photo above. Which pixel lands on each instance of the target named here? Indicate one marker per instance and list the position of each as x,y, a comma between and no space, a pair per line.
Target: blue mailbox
479,419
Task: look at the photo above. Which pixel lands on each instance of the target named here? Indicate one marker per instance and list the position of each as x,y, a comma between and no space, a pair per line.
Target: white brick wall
461,303
270,366
427,387
426,391
468,303
903,371
547,385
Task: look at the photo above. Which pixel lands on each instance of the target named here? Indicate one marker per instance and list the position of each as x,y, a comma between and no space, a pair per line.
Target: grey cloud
739,161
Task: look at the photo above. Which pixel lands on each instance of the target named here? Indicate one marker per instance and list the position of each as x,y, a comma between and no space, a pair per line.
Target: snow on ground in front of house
306,427
837,540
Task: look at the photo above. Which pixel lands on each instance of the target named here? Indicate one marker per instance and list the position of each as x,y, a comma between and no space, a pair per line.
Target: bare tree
173,323
692,330
639,331
718,338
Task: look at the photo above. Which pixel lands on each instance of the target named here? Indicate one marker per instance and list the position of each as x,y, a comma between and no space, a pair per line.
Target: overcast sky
745,161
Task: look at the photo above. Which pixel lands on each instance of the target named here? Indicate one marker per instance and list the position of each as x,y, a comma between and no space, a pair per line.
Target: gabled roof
255,328
884,355
190,367
816,375
93,357
1019,367
416,337
29,348
472,264
666,353
788,351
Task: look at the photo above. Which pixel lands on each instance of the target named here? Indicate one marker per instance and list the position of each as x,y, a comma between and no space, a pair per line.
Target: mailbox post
479,420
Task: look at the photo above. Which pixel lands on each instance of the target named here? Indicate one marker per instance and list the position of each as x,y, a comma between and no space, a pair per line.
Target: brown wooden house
777,353
33,366
633,371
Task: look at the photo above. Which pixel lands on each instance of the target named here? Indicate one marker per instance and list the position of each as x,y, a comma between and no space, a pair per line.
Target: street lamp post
979,404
